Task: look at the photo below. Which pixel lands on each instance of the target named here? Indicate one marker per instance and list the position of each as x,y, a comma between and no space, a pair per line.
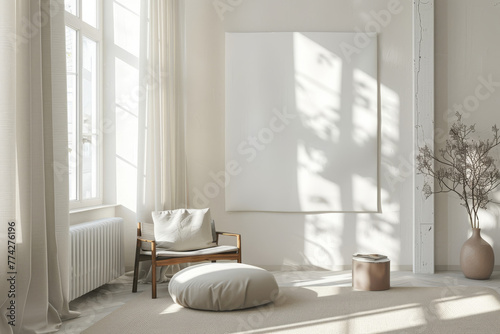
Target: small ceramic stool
371,275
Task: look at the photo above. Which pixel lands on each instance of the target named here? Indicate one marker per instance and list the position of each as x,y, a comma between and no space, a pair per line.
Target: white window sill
92,208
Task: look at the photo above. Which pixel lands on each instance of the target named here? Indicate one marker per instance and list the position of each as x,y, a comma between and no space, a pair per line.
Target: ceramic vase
476,257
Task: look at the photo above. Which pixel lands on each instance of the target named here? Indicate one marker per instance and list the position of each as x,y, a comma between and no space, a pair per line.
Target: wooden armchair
161,257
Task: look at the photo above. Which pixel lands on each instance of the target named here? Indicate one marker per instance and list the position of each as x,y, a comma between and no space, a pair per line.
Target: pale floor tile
97,304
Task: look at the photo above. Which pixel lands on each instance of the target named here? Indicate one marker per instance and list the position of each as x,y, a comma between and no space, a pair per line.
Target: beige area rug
320,310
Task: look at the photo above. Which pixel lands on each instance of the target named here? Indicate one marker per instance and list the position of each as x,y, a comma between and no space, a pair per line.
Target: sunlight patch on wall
390,114
327,141
126,119
315,192
366,190
364,109
127,25
318,77
126,191
376,235
126,81
323,240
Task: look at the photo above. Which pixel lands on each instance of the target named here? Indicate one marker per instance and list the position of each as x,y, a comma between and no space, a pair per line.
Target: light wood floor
97,304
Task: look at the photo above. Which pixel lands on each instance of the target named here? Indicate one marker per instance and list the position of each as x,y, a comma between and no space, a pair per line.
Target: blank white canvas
301,122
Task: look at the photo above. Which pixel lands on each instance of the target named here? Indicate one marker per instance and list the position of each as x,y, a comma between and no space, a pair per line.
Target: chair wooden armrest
229,233
145,240
141,239
237,235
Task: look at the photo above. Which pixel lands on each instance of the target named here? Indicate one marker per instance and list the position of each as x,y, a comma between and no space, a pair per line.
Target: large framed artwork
302,122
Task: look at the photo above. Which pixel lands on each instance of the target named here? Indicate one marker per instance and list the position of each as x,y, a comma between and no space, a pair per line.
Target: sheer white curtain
162,176
33,180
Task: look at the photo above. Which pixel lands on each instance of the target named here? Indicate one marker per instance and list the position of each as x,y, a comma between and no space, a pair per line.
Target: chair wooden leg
153,271
153,282
136,266
238,244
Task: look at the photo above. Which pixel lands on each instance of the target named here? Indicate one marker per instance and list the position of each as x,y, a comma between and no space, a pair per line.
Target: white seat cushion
212,250
223,286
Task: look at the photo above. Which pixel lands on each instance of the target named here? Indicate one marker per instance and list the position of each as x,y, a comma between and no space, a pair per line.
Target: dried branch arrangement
465,166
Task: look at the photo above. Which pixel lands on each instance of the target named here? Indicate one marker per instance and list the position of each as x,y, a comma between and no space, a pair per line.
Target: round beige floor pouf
223,287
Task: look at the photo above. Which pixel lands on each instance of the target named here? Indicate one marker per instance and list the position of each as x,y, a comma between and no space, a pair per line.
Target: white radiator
96,254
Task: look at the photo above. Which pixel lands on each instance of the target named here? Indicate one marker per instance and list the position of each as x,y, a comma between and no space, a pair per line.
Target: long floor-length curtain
162,177
33,167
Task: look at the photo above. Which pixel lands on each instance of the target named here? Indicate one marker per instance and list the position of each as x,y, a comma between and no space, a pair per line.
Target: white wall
124,97
325,240
467,48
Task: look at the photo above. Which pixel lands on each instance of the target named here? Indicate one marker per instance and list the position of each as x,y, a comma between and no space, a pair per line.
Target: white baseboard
448,267
316,268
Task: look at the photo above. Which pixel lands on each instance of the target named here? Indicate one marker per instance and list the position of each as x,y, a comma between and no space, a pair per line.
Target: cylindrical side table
371,275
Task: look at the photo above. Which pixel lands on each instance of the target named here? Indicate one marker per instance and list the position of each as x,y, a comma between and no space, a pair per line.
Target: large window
83,66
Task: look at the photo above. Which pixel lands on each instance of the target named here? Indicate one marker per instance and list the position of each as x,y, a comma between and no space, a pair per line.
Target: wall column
423,111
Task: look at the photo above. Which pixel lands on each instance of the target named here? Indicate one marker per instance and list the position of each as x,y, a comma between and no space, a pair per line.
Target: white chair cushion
205,251
183,229
223,286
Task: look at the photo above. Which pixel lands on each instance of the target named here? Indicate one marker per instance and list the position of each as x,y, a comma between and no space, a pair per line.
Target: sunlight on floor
459,307
412,316
452,305
172,309
333,279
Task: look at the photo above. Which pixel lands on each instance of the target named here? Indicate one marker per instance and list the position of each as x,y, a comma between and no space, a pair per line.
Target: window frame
95,34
